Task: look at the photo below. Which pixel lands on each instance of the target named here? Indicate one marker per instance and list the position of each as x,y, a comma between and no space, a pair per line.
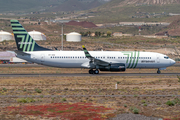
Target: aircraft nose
173,62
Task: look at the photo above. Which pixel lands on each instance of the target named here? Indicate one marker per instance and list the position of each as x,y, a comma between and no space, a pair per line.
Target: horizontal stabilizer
21,53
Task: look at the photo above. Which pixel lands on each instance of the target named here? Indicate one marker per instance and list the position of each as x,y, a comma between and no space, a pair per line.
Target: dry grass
134,85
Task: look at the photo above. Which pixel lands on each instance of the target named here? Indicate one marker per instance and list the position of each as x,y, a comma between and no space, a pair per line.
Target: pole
165,49
62,36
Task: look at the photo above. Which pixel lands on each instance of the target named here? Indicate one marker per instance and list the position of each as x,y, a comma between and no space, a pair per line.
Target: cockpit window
166,57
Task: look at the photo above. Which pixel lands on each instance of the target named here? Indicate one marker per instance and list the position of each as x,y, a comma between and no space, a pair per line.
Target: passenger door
42,57
158,60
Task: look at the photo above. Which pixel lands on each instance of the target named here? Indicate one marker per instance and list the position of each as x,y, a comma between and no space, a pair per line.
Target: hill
26,5
174,28
76,5
56,5
135,10
70,5
150,2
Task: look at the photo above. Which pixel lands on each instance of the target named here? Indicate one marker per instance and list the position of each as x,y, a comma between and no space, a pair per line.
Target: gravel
130,116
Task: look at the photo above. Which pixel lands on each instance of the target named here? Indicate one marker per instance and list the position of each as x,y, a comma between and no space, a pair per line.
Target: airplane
113,61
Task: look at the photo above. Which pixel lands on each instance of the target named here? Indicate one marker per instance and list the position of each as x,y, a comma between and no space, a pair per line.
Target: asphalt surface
36,65
86,74
79,74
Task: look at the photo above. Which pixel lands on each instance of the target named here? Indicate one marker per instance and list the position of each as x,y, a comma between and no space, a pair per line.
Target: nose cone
173,62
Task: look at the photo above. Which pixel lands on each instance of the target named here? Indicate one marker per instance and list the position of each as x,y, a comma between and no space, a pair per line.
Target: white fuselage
77,59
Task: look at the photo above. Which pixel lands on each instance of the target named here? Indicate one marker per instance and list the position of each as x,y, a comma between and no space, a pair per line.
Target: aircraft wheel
96,72
91,71
158,72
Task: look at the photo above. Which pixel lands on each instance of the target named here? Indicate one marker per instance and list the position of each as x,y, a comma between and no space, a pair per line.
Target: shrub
38,90
135,95
64,99
143,101
4,89
176,101
25,90
145,104
178,78
25,100
170,103
136,111
125,105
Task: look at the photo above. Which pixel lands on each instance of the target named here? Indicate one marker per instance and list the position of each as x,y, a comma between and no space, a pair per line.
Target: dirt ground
156,96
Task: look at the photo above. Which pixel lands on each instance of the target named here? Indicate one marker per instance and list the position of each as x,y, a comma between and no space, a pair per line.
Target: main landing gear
93,71
158,72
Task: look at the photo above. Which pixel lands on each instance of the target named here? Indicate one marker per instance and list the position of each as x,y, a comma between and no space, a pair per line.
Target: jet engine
114,68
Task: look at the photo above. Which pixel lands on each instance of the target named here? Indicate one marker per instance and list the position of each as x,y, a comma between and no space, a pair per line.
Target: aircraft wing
94,60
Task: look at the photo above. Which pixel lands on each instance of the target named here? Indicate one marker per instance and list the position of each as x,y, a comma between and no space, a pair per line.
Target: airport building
9,58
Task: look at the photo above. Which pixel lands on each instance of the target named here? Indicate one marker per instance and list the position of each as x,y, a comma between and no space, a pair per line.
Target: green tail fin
24,41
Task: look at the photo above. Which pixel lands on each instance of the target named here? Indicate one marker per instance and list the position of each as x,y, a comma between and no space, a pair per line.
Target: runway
37,65
86,74
79,74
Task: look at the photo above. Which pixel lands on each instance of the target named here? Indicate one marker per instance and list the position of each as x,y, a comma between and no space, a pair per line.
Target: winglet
86,52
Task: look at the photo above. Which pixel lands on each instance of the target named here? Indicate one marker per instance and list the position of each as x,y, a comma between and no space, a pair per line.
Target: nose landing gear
93,71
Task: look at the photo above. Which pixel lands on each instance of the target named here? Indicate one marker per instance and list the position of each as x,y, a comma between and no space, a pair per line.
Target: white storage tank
5,36
73,37
37,35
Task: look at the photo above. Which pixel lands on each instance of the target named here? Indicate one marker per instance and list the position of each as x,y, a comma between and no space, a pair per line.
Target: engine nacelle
114,68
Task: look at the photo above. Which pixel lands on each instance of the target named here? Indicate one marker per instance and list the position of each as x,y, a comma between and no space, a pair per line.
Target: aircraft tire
91,71
158,72
96,72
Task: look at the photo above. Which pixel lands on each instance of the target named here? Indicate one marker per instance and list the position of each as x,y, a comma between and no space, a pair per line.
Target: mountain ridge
152,2
48,5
